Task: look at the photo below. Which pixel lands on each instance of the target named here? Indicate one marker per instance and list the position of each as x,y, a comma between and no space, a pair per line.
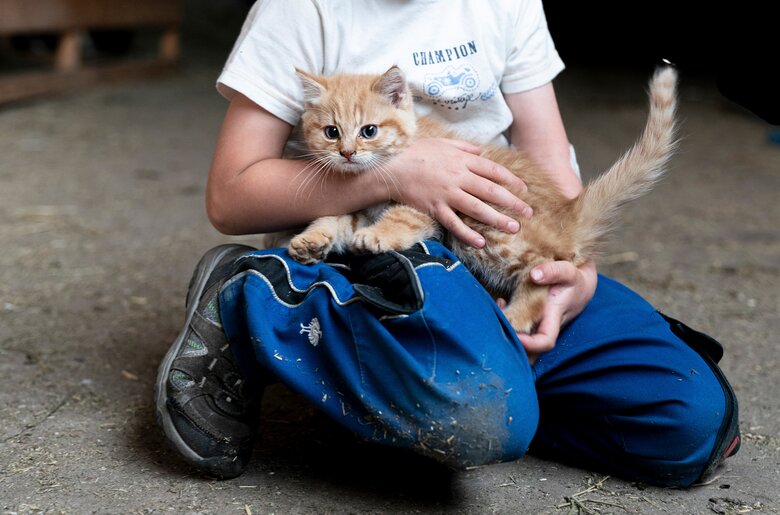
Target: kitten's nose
348,154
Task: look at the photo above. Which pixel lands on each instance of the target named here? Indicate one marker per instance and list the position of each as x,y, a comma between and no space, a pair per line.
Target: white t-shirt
458,55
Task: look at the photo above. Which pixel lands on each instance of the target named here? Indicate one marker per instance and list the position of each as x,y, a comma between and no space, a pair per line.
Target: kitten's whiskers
379,167
317,169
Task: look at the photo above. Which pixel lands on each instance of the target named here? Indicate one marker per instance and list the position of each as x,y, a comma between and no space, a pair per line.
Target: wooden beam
61,15
68,56
169,44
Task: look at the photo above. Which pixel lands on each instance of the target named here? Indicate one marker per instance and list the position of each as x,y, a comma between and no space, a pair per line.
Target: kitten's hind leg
399,228
320,237
524,311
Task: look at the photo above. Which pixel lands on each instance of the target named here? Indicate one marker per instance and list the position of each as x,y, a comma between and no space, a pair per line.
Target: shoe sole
200,277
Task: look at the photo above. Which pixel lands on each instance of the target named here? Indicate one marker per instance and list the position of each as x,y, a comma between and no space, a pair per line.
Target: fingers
567,297
494,193
451,178
491,180
496,173
543,340
453,223
487,183
475,208
480,193
554,272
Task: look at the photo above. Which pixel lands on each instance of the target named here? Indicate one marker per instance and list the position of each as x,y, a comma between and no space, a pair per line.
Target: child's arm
538,130
252,189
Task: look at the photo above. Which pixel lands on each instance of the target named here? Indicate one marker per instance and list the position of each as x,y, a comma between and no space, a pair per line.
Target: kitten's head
354,123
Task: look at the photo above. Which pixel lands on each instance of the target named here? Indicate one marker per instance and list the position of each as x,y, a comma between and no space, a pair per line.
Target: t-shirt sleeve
274,40
532,59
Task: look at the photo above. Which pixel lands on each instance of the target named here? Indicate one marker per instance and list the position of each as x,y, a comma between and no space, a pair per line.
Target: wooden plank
33,84
61,15
169,44
68,56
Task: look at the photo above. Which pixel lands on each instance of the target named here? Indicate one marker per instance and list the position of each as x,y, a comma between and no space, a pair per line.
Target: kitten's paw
310,247
366,241
369,241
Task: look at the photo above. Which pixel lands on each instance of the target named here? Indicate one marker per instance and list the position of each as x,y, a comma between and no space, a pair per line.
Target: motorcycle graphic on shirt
455,87
454,80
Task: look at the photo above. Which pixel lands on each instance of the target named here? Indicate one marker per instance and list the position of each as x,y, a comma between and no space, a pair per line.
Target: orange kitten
357,123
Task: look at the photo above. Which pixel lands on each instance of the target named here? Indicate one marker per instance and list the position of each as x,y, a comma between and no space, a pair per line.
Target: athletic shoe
206,407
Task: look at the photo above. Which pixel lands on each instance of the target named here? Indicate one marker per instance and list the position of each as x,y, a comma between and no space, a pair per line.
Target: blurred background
736,47
108,120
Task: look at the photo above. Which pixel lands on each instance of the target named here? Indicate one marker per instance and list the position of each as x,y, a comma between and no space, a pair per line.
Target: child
602,357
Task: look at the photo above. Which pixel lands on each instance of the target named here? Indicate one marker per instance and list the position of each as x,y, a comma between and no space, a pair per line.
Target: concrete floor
102,220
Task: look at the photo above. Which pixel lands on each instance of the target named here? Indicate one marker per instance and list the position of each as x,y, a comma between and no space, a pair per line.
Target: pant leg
623,394
438,371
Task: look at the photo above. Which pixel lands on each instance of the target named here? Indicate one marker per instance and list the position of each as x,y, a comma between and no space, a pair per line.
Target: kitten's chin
350,167
355,165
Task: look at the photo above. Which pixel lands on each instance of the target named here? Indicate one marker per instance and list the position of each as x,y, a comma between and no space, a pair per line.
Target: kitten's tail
634,174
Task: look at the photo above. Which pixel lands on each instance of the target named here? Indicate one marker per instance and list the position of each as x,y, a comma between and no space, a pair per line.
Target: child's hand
443,177
571,288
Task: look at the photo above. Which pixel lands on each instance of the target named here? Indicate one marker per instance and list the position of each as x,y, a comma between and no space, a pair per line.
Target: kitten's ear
392,85
313,86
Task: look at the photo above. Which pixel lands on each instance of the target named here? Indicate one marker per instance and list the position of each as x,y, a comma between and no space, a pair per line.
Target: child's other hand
571,288
444,177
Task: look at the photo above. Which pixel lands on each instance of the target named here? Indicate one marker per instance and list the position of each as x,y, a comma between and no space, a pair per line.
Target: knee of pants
480,430
665,433
674,445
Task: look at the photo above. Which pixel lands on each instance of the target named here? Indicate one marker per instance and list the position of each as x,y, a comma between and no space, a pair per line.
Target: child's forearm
251,189
279,194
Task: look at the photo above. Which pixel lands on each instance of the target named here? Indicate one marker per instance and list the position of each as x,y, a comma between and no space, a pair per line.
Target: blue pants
407,349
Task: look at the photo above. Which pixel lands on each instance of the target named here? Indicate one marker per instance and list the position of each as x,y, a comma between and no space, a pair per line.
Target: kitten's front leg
399,228
320,237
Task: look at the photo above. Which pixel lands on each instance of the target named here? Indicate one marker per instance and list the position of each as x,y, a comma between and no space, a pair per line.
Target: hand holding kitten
443,177
571,288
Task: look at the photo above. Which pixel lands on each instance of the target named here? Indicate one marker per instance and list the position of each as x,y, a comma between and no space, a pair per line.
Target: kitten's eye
369,131
331,132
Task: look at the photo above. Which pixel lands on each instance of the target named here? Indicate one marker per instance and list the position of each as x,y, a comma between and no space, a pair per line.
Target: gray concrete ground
102,220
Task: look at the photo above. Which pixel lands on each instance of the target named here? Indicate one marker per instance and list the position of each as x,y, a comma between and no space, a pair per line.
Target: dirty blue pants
407,349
